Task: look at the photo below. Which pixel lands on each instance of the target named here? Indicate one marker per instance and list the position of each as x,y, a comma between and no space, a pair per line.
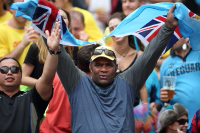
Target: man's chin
103,84
10,85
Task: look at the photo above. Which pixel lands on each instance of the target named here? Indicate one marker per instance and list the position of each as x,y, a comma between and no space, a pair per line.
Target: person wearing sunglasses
174,119
103,103
21,112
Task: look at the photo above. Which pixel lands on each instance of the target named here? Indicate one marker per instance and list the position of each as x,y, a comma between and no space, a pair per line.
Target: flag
151,29
25,9
145,22
189,24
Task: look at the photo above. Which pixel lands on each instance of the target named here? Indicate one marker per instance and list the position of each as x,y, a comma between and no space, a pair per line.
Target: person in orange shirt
58,115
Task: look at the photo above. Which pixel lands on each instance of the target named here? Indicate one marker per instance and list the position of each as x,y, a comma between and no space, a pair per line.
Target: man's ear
116,67
90,67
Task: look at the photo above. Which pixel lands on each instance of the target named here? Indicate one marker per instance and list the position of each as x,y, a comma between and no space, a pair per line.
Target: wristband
54,52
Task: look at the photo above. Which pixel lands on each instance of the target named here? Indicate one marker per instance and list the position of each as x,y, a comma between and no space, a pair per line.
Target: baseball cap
103,51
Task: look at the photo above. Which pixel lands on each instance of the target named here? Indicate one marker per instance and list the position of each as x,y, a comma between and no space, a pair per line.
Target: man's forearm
68,73
28,81
144,94
50,66
44,83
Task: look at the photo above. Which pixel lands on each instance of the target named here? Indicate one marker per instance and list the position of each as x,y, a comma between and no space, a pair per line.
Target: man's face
19,19
10,79
176,125
128,6
178,45
77,26
103,71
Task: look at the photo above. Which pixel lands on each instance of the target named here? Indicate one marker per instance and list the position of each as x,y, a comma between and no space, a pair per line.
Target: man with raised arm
21,112
104,103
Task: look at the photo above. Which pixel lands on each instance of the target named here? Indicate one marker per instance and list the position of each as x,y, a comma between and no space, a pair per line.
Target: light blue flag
140,17
25,9
189,25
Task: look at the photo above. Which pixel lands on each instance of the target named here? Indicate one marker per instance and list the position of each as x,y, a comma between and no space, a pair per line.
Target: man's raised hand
53,40
171,20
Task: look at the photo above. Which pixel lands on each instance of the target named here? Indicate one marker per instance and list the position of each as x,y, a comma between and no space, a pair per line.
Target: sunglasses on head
182,121
13,69
106,51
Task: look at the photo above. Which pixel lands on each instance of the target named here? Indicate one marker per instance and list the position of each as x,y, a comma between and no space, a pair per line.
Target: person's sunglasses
13,69
106,51
182,121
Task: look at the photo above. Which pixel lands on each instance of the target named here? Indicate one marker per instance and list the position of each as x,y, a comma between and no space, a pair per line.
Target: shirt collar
173,54
16,94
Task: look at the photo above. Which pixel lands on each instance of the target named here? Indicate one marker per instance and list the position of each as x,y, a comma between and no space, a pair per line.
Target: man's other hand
171,20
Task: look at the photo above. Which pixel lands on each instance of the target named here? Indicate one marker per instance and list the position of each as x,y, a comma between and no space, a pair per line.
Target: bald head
75,15
77,23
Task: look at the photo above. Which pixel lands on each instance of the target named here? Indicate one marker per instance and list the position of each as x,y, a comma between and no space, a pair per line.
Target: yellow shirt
166,54
91,27
9,39
5,17
109,41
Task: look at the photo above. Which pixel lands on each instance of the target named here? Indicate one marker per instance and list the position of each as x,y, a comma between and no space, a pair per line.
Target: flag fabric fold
25,9
189,24
144,23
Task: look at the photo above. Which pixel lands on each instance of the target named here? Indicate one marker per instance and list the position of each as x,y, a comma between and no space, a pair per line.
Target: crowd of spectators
95,88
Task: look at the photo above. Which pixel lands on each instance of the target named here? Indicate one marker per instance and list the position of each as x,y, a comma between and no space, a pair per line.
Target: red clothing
195,125
58,115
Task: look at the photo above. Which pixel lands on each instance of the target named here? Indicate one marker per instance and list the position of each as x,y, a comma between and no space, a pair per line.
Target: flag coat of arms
144,23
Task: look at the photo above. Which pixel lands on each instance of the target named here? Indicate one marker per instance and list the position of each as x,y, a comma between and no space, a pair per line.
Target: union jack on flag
45,16
151,29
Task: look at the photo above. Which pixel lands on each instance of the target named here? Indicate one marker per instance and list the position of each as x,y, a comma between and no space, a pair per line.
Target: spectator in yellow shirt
15,37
